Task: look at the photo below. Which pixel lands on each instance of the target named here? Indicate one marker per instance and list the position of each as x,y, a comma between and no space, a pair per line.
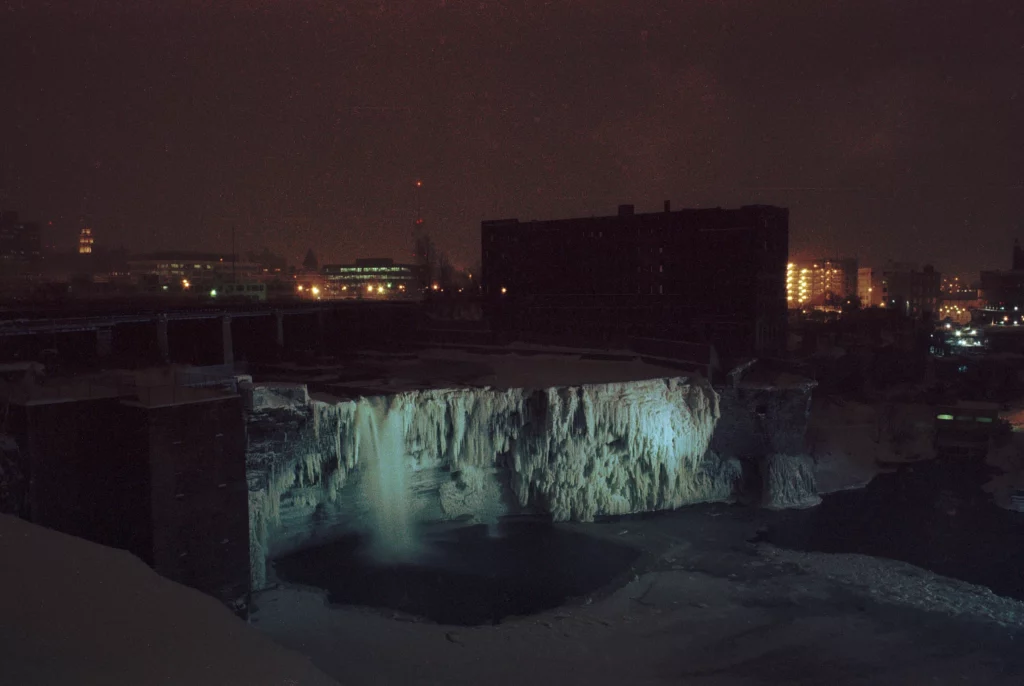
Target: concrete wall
88,471
199,496
164,483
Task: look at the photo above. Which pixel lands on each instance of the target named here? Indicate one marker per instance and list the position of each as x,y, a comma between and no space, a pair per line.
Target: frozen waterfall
319,467
380,436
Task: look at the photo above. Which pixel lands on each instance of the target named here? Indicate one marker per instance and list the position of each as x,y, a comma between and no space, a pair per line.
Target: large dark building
709,275
911,290
20,244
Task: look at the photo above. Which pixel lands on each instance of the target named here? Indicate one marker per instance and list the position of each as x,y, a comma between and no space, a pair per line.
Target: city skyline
889,132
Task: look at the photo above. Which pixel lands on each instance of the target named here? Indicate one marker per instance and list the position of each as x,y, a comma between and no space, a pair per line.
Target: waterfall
382,453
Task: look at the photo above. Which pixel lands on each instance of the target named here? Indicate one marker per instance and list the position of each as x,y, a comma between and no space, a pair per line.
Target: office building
377,277
191,269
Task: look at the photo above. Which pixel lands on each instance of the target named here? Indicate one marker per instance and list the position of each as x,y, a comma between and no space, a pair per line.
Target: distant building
20,244
708,275
828,281
1003,290
869,287
85,241
191,270
373,277
911,290
957,302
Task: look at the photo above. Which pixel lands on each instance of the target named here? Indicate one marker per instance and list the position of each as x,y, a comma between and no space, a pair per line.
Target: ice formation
575,453
789,482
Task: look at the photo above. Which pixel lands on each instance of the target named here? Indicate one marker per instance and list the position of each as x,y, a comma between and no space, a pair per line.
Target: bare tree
310,263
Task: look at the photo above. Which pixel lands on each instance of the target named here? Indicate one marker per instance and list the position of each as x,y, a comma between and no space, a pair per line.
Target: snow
707,608
575,452
78,613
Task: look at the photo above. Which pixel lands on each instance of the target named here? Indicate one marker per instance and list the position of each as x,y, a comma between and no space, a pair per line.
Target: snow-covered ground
702,608
73,612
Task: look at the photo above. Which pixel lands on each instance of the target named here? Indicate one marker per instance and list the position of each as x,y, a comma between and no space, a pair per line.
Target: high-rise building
85,241
711,275
869,287
20,244
827,281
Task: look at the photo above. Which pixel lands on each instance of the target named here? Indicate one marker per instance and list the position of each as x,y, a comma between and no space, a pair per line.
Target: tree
851,304
435,267
310,263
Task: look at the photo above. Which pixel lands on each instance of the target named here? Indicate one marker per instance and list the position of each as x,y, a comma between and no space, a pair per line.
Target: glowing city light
504,290
213,292
315,290
185,284
300,288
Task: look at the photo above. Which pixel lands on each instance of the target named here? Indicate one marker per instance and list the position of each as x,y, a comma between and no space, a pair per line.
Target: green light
985,420
946,417
213,293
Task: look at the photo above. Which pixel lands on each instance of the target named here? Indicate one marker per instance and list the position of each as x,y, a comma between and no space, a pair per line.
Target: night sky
892,129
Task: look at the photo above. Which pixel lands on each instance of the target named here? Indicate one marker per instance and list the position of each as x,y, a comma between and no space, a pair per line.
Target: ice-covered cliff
317,465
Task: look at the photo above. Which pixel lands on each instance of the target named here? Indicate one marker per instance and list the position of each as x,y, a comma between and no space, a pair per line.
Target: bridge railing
177,386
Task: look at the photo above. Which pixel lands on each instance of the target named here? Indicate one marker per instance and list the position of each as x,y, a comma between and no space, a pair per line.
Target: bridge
135,332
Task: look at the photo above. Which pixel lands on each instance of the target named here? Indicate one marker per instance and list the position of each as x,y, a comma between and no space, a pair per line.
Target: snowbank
78,613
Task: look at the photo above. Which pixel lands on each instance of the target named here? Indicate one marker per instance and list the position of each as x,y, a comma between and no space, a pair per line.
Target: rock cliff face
319,466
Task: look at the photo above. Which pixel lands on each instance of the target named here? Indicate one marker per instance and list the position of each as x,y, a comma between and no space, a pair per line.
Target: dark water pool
933,515
466,577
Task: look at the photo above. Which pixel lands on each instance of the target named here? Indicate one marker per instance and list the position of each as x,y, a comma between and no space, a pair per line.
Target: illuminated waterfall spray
383,454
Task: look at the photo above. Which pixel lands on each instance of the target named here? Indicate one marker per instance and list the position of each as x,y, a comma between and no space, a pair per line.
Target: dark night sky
890,128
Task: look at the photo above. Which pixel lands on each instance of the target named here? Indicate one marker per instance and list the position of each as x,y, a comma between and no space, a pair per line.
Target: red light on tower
419,206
